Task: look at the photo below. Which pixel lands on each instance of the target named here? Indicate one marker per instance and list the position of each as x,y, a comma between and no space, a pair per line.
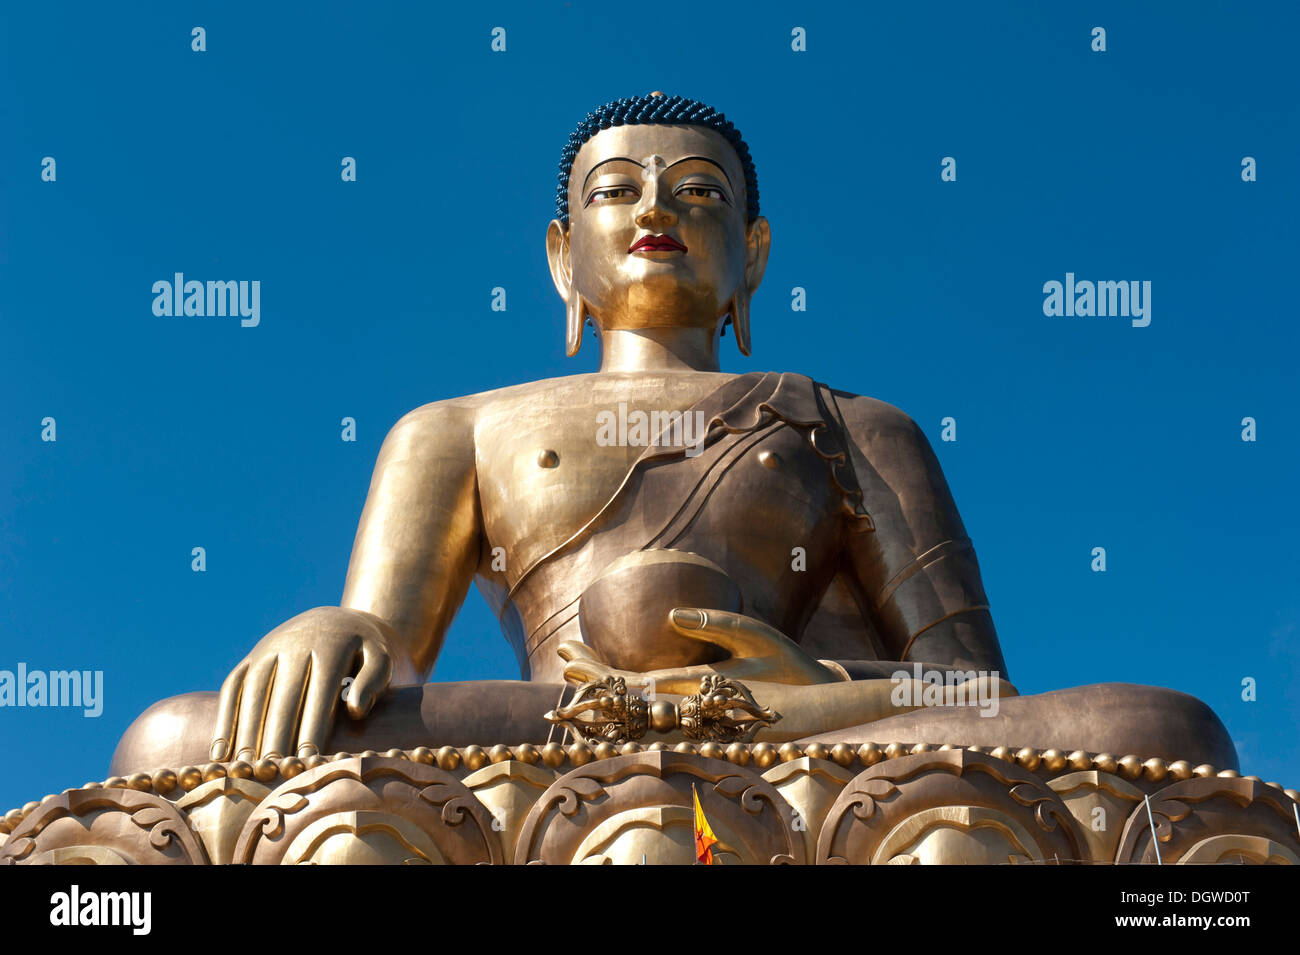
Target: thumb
371,681
571,650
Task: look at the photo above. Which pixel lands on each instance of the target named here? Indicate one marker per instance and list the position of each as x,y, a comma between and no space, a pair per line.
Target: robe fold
664,492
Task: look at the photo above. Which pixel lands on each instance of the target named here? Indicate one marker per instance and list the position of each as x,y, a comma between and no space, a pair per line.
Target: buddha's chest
542,478
547,468
546,464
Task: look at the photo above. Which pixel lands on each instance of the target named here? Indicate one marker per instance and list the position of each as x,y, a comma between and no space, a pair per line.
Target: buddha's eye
702,192
609,194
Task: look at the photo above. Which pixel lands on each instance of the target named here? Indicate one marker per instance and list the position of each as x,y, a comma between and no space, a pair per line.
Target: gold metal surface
724,711
799,524
890,804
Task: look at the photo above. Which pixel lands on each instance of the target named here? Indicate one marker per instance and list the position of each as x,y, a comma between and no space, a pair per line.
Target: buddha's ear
561,262
758,239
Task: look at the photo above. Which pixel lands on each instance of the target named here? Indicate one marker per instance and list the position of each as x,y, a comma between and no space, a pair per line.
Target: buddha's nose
651,214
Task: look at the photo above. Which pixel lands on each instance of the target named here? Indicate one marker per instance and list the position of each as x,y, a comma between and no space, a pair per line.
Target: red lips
656,243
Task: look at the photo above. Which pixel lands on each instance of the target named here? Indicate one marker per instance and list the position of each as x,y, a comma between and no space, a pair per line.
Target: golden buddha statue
656,524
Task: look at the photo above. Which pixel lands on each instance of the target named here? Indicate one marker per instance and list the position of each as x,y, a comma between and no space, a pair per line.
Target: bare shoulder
550,391
439,430
594,389
429,419
447,429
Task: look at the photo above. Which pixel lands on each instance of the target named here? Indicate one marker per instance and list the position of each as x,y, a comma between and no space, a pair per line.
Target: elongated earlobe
575,317
758,240
575,312
740,318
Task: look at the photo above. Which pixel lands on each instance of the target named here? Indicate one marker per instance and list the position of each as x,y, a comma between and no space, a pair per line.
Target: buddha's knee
1130,719
172,733
1173,724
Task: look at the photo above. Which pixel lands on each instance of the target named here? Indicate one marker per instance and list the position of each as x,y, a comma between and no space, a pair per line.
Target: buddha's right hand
282,697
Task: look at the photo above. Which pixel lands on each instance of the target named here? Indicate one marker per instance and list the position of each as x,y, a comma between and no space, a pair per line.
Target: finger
681,681
223,733
371,681
585,671
739,635
252,708
324,691
285,703
575,650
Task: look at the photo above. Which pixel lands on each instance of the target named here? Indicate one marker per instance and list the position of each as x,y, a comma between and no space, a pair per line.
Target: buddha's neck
659,349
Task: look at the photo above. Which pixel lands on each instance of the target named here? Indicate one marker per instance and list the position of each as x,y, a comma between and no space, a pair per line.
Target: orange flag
704,837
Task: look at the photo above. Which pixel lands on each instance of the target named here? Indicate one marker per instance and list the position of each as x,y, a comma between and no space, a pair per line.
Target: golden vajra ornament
724,711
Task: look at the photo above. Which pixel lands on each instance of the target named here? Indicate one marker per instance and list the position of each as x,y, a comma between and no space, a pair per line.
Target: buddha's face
657,233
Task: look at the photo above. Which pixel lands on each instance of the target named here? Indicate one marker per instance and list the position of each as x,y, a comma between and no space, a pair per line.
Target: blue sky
1072,433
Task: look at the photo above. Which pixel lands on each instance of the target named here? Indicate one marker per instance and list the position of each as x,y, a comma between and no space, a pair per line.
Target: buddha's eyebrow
642,166
603,162
707,160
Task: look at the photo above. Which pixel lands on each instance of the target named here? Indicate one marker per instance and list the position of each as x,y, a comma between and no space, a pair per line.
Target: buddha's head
657,222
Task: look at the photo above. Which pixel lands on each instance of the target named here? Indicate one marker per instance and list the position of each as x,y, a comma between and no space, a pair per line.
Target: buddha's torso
543,475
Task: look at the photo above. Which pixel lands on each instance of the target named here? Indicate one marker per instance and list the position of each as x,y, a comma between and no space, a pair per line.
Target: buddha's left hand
757,651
